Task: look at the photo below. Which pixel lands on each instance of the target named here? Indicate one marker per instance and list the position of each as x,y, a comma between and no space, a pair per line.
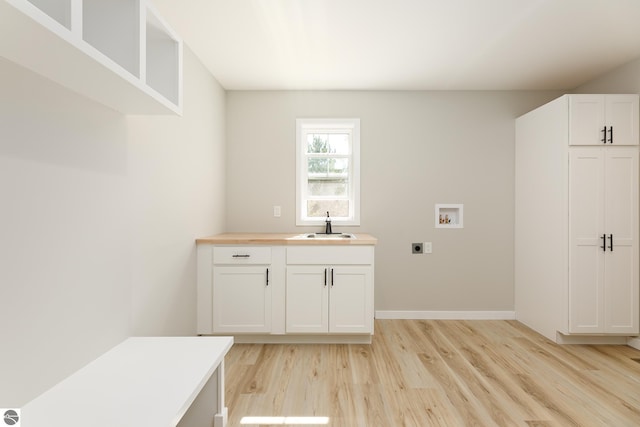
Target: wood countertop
284,239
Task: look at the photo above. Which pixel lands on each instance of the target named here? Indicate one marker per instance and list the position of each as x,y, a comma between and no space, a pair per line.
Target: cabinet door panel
621,222
307,299
350,305
586,290
621,297
241,299
586,119
586,228
621,194
622,116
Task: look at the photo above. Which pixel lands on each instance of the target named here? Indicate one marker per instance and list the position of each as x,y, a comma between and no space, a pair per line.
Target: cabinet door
307,299
589,115
351,300
621,115
621,225
241,299
586,228
586,119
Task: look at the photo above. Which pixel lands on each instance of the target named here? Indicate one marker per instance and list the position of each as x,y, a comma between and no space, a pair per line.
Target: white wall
624,79
177,176
418,149
98,216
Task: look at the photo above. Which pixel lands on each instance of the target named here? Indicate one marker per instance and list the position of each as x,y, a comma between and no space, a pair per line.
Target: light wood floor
438,373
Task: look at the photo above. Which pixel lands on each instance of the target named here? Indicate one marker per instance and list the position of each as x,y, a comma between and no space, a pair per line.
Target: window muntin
328,170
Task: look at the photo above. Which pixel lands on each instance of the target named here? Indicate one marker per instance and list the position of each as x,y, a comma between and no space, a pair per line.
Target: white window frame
304,126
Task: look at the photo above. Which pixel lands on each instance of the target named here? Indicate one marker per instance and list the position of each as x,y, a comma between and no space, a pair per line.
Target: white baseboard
591,339
634,342
446,315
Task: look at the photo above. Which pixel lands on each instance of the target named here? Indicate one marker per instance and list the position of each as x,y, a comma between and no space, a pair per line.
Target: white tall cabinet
576,260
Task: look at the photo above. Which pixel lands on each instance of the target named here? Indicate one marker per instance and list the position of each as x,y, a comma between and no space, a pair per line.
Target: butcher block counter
282,288
287,239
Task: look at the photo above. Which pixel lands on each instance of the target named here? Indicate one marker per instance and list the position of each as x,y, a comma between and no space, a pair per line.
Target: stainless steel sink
322,236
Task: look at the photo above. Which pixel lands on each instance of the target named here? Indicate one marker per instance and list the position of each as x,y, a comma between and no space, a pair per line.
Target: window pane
327,167
338,166
327,187
339,143
336,208
318,166
317,143
332,143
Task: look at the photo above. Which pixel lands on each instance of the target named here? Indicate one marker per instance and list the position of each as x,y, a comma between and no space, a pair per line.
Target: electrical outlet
416,248
428,247
277,211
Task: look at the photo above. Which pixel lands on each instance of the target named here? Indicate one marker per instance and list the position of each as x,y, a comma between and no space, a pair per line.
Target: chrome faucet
327,228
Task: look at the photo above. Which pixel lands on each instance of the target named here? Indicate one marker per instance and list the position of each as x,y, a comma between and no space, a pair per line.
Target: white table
154,382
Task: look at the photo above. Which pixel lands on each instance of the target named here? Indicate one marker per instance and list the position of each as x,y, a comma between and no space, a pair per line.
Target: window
328,171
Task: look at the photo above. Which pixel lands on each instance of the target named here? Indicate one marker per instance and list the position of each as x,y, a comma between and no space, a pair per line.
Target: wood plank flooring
438,373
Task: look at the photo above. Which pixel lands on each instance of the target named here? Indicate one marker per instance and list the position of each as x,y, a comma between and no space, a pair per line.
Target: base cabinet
241,299
329,299
241,291
280,293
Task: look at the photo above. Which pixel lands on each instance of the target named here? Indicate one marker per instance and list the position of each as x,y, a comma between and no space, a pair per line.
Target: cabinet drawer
333,255
241,255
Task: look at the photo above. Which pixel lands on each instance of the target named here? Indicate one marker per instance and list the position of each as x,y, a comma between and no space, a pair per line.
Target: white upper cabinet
603,119
119,53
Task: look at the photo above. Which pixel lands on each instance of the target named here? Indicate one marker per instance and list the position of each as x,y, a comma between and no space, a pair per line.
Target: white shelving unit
120,53
449,215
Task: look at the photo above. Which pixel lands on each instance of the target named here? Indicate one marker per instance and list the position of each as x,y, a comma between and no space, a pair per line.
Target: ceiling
407,44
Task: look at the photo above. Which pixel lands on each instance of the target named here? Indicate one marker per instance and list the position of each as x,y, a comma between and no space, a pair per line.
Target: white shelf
449,215
96,48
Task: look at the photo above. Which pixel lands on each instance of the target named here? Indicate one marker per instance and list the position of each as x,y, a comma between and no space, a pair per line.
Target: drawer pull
240,256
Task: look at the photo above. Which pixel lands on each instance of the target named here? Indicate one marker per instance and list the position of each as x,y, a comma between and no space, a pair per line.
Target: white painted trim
351,125
590,339
302,339
446,315
634,342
